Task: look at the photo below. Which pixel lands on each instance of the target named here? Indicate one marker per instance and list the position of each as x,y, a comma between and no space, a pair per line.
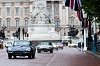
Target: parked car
60,45
73,44
21,48
45,46
55,46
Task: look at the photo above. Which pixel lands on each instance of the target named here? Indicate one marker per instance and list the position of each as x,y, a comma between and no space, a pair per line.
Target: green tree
92,7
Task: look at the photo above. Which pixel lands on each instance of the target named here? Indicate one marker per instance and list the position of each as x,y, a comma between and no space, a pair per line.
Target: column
53,9
60,12
66,16
30,7
12,14
3,13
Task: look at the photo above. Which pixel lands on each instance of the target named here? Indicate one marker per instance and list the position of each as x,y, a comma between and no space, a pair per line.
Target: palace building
16,13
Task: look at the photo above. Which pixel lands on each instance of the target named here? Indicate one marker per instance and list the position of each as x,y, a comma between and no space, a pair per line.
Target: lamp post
95,37
84,16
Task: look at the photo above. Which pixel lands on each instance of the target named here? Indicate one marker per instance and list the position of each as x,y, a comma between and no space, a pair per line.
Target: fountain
42,26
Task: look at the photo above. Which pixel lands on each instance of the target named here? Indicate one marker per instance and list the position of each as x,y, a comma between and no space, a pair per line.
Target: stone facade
16,13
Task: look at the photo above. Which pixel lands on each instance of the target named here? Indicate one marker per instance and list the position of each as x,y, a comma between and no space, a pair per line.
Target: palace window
72,22
26,23
8,23
17,23
26,10
17,10
8,10
56,10
49,10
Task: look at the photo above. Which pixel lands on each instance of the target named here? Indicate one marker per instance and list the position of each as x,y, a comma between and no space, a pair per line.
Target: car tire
51,51
9,56
33,55
39,51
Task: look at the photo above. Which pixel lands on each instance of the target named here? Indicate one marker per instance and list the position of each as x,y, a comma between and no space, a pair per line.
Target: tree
92,8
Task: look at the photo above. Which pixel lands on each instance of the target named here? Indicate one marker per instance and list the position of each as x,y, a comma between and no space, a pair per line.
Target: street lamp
84,16
95,37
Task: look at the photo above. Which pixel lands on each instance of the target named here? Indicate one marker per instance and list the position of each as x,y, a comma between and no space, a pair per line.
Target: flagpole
84,16
85,47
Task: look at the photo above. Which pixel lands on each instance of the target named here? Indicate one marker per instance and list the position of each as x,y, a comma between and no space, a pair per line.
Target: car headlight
28,49
9,49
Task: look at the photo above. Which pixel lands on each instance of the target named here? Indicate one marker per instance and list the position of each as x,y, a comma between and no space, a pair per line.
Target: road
62,57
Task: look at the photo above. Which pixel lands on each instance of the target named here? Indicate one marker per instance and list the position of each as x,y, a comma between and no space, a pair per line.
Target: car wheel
39,51
9,56
51,51
33,55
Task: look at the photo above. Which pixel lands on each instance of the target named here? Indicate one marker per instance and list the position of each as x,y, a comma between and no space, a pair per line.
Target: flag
76,5
80,15
72,4
67,3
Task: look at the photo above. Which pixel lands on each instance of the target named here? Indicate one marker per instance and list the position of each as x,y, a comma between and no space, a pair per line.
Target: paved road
65,57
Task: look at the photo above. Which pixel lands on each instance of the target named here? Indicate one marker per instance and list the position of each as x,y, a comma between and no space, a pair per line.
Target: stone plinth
42,32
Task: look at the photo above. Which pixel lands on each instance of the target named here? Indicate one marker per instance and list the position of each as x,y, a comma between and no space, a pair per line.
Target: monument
42,25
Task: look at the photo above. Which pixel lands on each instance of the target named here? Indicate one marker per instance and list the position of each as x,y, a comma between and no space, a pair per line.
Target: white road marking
52,59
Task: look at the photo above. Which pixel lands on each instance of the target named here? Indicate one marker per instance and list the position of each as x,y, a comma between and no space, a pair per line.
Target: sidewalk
95,54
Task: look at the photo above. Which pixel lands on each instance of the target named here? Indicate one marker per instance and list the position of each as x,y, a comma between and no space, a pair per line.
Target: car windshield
21,43
45,43
54,43
59,43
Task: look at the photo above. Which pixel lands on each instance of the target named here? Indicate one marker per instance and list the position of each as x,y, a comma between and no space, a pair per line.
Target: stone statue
40,15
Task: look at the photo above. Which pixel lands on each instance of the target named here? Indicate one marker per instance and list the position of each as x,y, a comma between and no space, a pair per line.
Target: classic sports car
45,46
21,48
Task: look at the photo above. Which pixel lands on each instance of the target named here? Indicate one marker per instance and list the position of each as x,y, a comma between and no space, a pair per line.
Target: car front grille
18,52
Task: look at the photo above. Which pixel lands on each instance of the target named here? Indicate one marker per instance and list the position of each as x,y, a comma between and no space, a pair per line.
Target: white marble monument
42,25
